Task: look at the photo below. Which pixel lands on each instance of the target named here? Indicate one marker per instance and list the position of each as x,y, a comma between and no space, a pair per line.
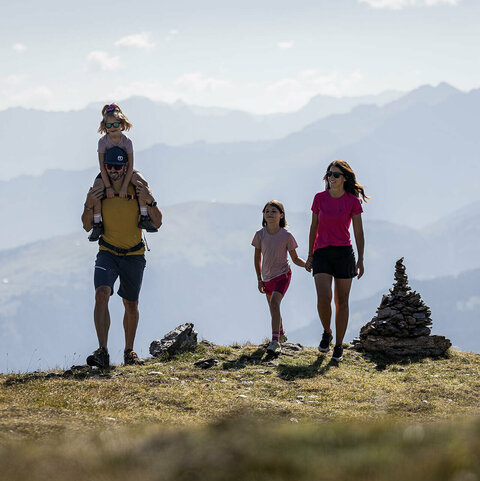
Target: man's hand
94,195
143,192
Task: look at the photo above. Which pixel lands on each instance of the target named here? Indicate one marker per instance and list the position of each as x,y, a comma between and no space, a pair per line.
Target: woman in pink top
330,252
272,242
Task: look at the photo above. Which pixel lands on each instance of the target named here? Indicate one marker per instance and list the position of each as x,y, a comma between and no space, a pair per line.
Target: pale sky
257,55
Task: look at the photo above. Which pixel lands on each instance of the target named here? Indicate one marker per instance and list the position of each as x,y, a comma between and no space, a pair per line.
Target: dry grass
299,417
304,386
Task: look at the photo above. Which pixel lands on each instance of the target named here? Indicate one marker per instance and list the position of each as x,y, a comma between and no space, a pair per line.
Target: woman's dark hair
279,206
351,185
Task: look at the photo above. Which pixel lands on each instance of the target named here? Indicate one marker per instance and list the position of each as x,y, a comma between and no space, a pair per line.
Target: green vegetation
289,418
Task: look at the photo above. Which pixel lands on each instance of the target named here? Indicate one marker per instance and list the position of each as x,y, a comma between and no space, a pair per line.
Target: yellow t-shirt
120,220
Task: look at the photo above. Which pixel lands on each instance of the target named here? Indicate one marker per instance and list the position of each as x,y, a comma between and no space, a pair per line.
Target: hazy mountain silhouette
35,140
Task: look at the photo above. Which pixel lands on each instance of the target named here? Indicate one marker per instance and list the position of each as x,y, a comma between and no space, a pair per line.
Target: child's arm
257,258
295,259
106,181
128,176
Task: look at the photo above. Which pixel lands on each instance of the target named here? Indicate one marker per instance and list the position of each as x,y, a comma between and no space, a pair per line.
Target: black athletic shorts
108,267
338,261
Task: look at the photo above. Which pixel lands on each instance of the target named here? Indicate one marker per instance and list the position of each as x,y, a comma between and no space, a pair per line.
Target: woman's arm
295,259
360,242
257,262
311,241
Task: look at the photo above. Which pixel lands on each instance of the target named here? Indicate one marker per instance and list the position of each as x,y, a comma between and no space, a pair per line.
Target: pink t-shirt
334,218
274,249
106,143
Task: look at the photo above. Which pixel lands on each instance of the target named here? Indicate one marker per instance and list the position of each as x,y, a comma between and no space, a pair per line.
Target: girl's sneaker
283,338
146,223
337,354
97,231
274,347
324,345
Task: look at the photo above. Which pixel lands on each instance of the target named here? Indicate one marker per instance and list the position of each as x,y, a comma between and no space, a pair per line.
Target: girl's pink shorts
278,284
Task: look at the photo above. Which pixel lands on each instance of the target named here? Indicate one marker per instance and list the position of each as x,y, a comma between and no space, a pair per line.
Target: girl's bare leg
97,208
274,304
138,177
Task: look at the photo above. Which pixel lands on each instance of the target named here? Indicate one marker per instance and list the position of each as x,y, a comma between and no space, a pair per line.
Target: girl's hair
279,206
113,110
351,185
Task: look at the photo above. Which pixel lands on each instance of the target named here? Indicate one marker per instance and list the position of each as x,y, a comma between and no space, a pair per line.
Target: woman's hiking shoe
274,347
130,358
324,345
97,231
146,223
283,338
337,354
99,358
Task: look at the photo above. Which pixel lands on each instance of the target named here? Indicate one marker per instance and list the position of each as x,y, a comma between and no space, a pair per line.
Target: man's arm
144,193
94,196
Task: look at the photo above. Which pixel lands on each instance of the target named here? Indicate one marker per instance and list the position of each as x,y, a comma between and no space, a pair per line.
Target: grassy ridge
169,416
245,449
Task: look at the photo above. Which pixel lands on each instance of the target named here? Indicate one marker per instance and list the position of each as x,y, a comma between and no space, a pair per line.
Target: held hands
308,263
261,286
110,192
359,269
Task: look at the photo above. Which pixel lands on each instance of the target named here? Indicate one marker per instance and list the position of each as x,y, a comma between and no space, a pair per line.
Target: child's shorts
278,284
338,261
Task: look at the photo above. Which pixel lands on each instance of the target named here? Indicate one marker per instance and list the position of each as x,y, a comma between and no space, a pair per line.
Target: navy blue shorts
108,267
338,261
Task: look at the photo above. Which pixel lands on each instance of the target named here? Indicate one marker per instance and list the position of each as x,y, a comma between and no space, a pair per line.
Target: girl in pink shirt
272,243
114,122
330,252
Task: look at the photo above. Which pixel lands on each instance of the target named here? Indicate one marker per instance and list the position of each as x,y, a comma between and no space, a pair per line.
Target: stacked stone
402,325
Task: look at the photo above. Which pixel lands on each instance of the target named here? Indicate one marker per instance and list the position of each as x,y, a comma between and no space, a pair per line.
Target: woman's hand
309,263
359,269
110,192
261,286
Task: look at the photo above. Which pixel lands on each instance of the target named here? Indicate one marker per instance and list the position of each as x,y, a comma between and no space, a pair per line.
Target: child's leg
145,221
274,304
97,208
136,178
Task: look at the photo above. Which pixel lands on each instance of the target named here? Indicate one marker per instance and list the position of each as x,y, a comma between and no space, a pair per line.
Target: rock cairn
402,325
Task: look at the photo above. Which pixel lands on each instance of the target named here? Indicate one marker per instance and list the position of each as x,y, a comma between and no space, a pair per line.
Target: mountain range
35,140
200,270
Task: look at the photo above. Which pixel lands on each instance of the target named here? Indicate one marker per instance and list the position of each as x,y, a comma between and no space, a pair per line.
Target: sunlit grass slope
247,418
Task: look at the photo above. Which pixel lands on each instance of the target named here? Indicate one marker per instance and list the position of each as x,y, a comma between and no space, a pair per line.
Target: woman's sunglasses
335,174
114,125
113,166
